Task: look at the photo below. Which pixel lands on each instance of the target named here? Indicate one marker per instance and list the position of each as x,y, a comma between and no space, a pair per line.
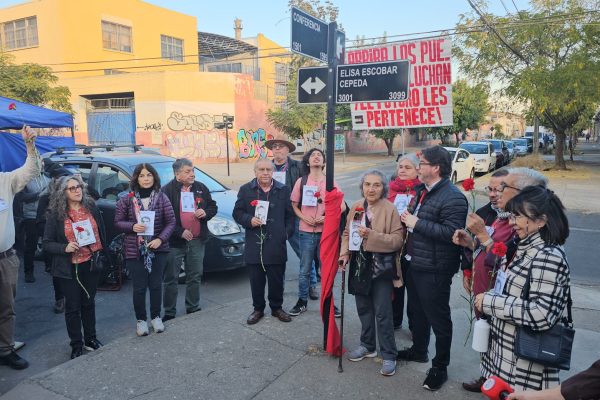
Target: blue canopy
34,116
13,152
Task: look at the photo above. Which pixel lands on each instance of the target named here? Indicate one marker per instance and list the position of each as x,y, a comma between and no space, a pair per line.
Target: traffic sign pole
330,137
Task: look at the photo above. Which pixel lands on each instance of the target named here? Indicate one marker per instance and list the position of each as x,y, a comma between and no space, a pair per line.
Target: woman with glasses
538,219
74,234
402,190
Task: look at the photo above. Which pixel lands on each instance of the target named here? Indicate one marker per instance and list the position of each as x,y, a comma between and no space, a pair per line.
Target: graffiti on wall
252,143
191,122
199,145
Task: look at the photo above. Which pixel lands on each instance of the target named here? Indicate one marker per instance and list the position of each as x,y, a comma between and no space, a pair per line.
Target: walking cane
340,368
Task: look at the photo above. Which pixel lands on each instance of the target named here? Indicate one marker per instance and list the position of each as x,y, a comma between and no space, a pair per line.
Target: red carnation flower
359,209
499,249
198,201
468,184
317,194
12,106
79,229
254,203
130,194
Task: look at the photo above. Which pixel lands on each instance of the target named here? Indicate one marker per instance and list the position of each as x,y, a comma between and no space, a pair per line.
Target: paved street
222,350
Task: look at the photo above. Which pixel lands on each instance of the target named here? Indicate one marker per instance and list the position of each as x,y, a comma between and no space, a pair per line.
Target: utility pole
536,135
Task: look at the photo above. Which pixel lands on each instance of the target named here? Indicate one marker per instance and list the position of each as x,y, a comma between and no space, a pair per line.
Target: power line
504,5
515,4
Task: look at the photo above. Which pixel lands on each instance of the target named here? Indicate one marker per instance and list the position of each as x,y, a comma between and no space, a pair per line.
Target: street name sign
312,85
383,81
309,35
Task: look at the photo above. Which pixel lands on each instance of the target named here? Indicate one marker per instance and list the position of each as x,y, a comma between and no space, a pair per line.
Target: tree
32,83
388,136
547,58
470,105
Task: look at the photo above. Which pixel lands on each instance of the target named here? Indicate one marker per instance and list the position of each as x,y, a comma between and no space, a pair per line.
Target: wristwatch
487,243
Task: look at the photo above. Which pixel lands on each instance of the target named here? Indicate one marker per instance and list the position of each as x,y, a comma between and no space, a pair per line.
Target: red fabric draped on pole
330,251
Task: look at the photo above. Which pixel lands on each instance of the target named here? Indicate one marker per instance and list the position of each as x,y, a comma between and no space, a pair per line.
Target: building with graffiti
143,74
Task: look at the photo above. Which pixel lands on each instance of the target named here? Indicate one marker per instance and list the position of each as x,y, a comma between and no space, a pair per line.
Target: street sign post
383,81
309,35
312,85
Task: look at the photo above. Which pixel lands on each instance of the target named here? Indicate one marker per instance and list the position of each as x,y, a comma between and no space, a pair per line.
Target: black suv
107,170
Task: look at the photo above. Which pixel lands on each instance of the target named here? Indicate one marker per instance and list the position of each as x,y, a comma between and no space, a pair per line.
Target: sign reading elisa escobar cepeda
429,91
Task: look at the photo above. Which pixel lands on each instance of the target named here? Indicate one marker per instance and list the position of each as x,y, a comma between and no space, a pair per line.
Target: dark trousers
144,281
429,298
80,310
58,294
398,302
376,320
31,238
258,278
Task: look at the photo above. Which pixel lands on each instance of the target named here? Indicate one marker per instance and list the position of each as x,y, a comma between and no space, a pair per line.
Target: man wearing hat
287,171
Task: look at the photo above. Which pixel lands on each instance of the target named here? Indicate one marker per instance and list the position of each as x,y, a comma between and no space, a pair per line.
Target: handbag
384,265
552,347
360,273
97,261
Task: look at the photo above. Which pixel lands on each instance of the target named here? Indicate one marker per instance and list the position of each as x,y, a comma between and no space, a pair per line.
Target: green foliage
553,65
470,105
32,83
387,135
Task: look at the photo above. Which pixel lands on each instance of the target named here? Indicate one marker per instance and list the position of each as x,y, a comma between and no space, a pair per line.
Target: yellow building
134,71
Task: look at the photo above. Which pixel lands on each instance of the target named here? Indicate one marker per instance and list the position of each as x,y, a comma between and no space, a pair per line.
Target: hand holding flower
479,302
72,247
409,220
476,225
139,228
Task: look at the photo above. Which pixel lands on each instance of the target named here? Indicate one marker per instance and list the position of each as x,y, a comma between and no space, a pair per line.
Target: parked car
511,149
529,140
520,147
483,154
463,164
108,173
502,156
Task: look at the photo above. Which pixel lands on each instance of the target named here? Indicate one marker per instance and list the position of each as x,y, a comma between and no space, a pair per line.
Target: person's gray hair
180,163
528,177
260,160
58,198
378,173
411,158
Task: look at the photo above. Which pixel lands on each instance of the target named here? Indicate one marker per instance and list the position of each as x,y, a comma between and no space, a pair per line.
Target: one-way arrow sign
312,82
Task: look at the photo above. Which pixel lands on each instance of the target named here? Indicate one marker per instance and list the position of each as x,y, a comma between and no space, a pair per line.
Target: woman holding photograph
146,254
74,236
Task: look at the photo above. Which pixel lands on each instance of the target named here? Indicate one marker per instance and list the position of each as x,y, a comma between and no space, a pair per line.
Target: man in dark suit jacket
187,242
265,251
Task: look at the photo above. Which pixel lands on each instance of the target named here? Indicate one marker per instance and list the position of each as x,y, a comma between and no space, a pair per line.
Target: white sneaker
142,328
158,325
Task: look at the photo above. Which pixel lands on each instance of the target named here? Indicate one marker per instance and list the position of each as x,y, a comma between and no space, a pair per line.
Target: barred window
171,48
20,33
116,37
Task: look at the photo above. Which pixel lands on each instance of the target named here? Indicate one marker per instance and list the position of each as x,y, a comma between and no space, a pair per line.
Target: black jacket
293,172
173,192
55,242
442,211
280,222
488,214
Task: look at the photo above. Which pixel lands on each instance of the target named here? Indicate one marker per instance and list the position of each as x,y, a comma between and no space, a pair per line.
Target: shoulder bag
551,348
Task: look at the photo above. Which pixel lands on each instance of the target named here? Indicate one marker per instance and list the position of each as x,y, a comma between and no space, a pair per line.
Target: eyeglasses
513,218
504,186
74,189
278,146
424,163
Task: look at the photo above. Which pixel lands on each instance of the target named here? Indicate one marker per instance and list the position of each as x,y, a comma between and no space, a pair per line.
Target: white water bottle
481,335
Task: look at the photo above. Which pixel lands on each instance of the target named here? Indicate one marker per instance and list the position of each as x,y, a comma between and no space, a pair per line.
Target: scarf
146,253
403,186
501,214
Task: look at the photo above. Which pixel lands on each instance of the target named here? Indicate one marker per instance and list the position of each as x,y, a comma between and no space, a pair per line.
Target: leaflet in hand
84,233
187,202
355,239
262,210
308,195
147,219
402,201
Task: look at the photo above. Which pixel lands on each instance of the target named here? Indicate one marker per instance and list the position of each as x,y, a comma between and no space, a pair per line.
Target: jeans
376,319
144,281
309,249
273,274
80,310
429,298
193,257
294,241
9,272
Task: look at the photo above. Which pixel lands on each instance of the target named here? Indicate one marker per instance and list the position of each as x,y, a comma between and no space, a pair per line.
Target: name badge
308,195
187,202
279,176
147,219
262,211
84,233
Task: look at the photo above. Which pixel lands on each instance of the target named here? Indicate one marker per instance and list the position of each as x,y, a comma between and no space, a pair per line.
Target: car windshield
510,145
497,145
520,142
165,171
475,148
452,154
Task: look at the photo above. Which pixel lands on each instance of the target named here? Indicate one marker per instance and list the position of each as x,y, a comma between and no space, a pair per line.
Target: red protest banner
430,89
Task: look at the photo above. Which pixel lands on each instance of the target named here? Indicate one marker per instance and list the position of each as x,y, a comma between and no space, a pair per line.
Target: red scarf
402,186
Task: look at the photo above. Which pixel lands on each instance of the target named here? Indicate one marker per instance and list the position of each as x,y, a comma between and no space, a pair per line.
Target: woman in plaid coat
539,220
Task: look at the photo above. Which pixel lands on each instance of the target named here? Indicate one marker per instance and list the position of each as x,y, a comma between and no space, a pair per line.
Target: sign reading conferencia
430,90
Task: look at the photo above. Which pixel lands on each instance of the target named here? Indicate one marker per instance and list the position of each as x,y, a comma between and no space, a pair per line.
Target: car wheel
454,178
472,175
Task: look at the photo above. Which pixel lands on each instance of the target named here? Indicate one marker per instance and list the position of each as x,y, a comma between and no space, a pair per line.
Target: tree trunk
559,159
389,143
